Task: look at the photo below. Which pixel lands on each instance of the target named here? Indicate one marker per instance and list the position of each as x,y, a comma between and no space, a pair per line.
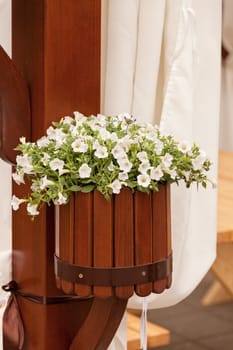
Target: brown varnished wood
143,235
102,238
15,118
107,312
83,239
56,46
66,238
161,231
123,236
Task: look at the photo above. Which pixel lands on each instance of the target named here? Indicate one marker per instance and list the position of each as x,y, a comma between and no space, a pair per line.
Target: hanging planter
109,179
114,247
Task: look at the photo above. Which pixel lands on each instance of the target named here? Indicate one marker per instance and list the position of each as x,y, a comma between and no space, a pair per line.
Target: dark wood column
56,46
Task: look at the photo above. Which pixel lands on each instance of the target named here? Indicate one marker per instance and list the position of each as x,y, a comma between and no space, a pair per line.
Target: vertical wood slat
143,235
123,237
169,231
103,238
161,230
57,239
66,236
83,236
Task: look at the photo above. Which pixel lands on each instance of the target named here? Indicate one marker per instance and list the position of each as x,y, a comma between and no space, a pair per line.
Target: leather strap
116,276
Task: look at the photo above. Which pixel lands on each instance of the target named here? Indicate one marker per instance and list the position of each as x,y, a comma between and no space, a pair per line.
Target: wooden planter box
115,247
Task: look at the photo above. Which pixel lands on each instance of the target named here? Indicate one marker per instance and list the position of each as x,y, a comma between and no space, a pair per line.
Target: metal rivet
80,275
143,273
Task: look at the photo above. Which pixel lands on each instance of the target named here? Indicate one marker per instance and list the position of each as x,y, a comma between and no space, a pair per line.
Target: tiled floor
194,326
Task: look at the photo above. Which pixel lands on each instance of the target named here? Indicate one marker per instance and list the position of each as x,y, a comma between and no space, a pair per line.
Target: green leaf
74,188
88,188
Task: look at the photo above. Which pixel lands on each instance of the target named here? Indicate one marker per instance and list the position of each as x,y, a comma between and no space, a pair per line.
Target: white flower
118,152
15,202
57,164
79,146
32,209
144,167
45,159
116,186
26,163
184,146
18,178
104,134
35,187
123,176
156,173
22,140
125,164
172,173
68,120
143,180
44,182
78,115
199,161
43,142
101,152
142,156
84,171
111,166
167,160
61,199
158,146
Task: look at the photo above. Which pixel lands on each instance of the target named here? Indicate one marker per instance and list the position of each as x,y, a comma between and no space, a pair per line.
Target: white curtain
161,62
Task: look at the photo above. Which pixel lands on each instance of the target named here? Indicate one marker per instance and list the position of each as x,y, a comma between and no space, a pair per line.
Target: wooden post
56,46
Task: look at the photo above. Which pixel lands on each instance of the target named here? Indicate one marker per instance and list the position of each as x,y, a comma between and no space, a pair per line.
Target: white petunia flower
84,171
143,180
43,142
167,160
101,152
118,152
142,156
116,186
15,202
56,164
78,115
68,120
144,167
156,173
79,146
35,187
125,164
198,162
111,166
123,176
61,199
184,146
26,163
158,146
44,182
18,178
22,139
32,209
45,159
172,173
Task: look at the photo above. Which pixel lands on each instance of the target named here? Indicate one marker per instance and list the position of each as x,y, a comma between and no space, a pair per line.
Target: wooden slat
161,231
57,240
83,236
66,238
102,238
123,236
143,235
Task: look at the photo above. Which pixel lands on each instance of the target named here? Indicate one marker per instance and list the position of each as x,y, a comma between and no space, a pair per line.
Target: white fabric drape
161,62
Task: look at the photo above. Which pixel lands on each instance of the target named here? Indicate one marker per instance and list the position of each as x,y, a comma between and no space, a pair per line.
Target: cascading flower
106,153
